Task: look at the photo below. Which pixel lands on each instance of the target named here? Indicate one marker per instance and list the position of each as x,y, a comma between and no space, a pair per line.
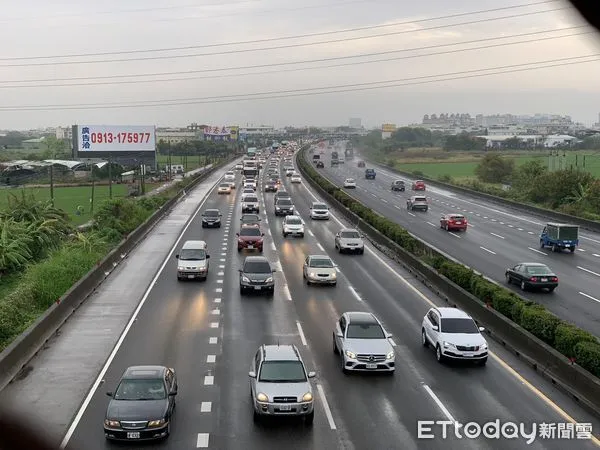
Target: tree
494,169
464,142
525,175
55,148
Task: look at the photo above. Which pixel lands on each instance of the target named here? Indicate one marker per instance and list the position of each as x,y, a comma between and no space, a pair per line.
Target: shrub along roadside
44,282
568,339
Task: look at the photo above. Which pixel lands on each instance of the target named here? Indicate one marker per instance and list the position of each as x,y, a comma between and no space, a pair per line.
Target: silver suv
349,240
279,383
417,202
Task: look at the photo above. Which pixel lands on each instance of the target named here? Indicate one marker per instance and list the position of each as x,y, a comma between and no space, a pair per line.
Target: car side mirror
252,374
110,394
237,234
207,256
339,334
481,329
240,270
173,392
262,234
176,256
312,374
434,327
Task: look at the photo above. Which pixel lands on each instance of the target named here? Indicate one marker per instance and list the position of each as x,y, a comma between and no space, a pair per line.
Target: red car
453,222
250,237
418,185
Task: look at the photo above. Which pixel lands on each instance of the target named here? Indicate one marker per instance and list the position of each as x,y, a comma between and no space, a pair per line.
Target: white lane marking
487,250
384,200
580,250
530,232
326,407
222,260
209,380
221,274
537,251
439,403
373,195
273,246
320,246
219,281
520,229
596,255
132,320
588,271
211,358
223,254
219,290
301,332
206,407
213,340
214,324
397,207
511,226
501,223
485,217
217,300
589,296
355,293
471,225
392,342
216,312
454,234
286,292
311,233
412,214
590,239
432,224
494,220
497,235
202,441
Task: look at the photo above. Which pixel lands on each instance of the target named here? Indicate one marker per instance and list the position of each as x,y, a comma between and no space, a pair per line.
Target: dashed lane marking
301,333
326,407
209,380
214,324
202,440
213,340
211,358
205,407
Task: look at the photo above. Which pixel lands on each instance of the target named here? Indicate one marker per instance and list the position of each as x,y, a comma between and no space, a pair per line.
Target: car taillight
555,279
533,279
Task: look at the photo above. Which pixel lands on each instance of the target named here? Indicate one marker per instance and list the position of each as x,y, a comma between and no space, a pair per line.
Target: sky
316,62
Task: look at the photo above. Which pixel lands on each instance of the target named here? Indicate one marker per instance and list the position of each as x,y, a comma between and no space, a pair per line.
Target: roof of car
281,352
194,244
533,264
320,257
256,259
348,229
452,313
292,216
211,210
144,372
361,317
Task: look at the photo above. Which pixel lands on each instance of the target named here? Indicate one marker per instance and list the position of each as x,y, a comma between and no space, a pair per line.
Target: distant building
177,135
355,122
64,133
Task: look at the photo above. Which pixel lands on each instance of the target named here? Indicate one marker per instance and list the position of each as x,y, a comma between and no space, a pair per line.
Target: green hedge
568,339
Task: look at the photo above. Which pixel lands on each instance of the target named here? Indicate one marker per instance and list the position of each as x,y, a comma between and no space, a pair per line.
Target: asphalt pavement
208,332
497,238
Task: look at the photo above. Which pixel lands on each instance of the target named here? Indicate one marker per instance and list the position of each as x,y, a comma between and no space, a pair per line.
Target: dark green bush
567,336
506,303
587,355
540,322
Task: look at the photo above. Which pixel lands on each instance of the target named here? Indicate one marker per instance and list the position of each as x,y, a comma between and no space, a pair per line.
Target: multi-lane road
209,333
497,238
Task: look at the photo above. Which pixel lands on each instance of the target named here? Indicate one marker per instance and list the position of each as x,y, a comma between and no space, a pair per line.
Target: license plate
251,247
371,366
190,276
544,279
257,288
468,354
133,435
458,223
567,245
285,408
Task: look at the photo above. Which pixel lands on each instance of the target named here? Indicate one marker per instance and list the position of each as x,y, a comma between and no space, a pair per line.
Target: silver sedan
319,269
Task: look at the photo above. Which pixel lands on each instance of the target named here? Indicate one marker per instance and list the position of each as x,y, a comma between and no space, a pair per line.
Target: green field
193,162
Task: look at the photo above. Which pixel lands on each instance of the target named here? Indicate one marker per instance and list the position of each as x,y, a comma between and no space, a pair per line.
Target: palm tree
15,245
579,195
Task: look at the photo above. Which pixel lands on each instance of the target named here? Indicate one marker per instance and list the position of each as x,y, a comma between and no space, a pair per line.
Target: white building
64,133
252,130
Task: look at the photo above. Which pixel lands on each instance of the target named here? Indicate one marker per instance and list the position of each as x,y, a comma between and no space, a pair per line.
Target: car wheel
551,289
219,226
178,278
284,235
309,418
438,354
239,249
445,227
307,282
256,417
203,225
361,251
424,339
335,349
482,362
508,278
523,286
168,429
242,290
260,250
542,244
344,370
334,283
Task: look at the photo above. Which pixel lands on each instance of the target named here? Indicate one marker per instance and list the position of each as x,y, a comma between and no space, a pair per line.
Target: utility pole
93,189
110,176
52,184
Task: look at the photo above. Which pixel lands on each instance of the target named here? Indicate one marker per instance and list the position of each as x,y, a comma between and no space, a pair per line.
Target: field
193,162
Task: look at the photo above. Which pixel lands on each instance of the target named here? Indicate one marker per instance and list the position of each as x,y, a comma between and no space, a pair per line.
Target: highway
209,333
497,238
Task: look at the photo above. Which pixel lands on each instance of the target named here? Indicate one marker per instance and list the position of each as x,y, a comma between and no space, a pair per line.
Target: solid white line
590,297
202,441
412,214
320,246
537,251
301,332
132,320
214,324
590,239
432,224
588,271
286,292
311,233
337,269
326,407
454,234
209,380
497,235
485,249
439,403
211,358
596,255
213,340
355,293
205,407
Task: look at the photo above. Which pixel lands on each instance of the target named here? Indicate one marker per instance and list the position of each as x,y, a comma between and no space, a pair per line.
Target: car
250,185
320,165
318,211
239,166
350,183
370,174
256,275
451,222
211,218
363,344
418,185
281,194
247,191
192,261
417,202
454,335
319,269
289,171
361,164
284,207
270,186
349,240
532,276
296,179
293,225
250,237
224,188
250,204
141,407
229,176
280,384
250,219
398,185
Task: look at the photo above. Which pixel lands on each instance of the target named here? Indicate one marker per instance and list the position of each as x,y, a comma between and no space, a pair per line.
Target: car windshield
282,372
191,254
224,185
457,217
321,262
249,231
250,218
350,234
251,199
466,326
284,202
538,270
293,221
365,331
211,213
141,389
420,199
320,206
257,267
282,194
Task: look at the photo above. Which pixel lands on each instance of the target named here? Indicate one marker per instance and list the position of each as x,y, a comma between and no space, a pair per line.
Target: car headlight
307,397
312,274
156,423
245,279
112,423
350,354
333,275
269,280
390,355
277,208
449,344
180,268
262,397
483,346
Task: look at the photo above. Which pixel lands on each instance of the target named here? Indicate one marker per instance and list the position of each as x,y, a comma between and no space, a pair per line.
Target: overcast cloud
40,28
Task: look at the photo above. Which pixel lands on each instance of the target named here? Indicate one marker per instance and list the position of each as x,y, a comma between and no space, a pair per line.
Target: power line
474,73
306,61
299,36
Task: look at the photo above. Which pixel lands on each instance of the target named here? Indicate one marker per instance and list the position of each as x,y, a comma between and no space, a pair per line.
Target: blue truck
560,236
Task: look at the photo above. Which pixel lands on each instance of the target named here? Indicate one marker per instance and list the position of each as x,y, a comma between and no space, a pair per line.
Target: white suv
454,335
293,225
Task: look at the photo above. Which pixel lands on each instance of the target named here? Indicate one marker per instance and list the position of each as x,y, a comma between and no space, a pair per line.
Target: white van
192,261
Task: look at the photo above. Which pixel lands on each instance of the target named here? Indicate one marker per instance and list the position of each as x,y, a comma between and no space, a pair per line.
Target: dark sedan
270,186
532,276
142,406
257,275
211,218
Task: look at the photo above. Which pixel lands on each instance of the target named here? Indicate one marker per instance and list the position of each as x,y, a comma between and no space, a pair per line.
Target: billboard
228,134
388,127
111,138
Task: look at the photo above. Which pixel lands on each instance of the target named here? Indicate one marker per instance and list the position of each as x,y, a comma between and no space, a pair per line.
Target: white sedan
224,188
350,183
293,225
296,179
